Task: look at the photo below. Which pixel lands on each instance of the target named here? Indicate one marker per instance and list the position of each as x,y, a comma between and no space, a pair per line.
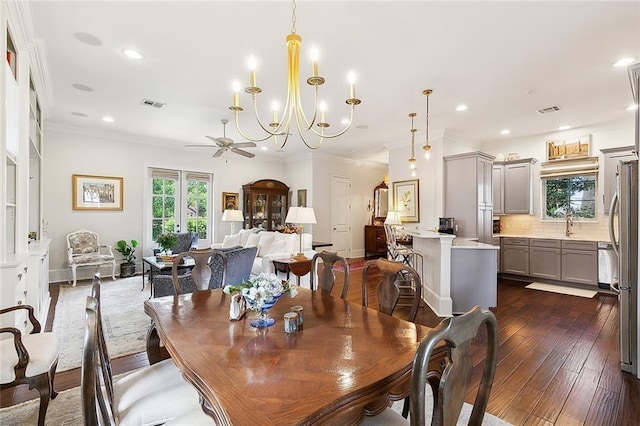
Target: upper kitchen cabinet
469,195
513,186
612,156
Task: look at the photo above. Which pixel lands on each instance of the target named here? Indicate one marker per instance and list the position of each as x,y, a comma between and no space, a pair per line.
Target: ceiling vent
547,110
153,104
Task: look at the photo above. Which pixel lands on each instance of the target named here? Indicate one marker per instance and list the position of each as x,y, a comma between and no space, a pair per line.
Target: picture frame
570,148
97,192
302,198
230,201
406,199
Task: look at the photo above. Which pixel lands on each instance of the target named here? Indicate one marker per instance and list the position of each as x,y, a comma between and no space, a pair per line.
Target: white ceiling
504,60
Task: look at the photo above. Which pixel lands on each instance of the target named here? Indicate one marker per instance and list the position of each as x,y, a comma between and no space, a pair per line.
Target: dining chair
29,359
450,386
150,395
398,282
400,252
327,278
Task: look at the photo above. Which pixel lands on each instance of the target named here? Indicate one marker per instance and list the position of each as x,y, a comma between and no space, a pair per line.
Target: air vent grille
153,104
547,110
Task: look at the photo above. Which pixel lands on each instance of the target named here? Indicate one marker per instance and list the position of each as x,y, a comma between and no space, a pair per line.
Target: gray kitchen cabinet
544,258
518,186
580,262
468,194
612,156
498,188
515,256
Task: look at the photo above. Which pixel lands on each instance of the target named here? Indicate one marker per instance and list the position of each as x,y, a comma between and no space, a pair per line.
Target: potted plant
167,241
127,250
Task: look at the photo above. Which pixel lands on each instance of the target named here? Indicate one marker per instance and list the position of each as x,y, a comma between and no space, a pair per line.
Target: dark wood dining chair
449,387
29,359
150,395
398,282
201,272
327,278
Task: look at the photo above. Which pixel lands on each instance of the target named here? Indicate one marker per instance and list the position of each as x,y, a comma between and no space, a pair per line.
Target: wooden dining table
348,361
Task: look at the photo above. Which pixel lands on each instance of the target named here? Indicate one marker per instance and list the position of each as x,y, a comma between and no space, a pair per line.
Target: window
180,200
575,195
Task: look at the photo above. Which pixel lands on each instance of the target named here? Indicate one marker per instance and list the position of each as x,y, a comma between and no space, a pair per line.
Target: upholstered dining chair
450,386
327,278
398,282
84,249
29,359
150,395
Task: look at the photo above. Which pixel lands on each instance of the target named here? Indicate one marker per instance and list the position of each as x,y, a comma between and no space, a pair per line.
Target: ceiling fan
225,144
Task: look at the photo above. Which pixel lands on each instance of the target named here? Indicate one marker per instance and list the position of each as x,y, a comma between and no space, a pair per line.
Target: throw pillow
231,240
266,239
244,236
278,247
252,240
290,242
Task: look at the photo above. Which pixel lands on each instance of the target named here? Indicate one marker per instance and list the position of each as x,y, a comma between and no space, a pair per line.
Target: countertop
554,237
472,243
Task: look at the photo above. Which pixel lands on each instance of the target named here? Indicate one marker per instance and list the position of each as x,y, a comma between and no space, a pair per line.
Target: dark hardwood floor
558,359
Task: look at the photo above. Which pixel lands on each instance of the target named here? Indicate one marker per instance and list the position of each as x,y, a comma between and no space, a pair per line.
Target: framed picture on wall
406,200
230,200
302,198
96,192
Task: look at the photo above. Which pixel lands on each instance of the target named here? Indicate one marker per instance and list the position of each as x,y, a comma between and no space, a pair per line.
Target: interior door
340,215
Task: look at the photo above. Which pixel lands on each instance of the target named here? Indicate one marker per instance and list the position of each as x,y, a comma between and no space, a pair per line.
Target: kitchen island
457,273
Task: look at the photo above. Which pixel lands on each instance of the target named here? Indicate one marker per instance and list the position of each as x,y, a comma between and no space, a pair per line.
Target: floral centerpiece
261,292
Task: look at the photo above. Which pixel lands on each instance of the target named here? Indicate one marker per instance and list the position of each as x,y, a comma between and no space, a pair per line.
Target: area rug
562,290
355,266
124,320
463,419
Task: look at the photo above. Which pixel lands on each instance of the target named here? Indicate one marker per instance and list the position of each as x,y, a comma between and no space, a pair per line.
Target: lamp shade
232,216
393,218
304,215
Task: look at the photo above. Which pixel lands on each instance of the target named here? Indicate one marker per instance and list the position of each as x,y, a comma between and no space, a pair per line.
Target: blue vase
262,318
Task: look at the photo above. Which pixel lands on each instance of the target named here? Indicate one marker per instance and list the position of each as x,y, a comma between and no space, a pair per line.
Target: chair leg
113,270
405,408
43,385
52,376
73,273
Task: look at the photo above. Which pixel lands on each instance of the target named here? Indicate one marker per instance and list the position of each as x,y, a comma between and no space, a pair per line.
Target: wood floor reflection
558,358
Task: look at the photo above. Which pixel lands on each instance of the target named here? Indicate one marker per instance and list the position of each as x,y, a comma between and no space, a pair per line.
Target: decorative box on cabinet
375,241
266,203
612,157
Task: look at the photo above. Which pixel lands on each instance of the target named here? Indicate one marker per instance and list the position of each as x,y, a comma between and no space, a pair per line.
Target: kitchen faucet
569,224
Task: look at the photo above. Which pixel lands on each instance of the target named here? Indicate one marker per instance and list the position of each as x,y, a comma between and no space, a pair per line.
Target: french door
180,202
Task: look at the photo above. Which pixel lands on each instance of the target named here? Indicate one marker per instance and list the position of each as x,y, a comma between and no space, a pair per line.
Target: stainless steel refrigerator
625,243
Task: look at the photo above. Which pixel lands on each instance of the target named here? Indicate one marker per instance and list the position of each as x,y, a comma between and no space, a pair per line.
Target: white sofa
271,245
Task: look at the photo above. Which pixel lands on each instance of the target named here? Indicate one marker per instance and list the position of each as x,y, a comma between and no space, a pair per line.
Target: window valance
573,167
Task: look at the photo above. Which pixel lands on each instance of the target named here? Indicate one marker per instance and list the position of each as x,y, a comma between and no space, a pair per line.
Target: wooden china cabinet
265,203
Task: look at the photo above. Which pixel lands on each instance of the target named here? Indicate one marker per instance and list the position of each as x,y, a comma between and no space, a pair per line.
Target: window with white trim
569,187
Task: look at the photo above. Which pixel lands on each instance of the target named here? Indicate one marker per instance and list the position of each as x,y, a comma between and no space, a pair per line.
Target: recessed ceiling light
564,127
505,132
362,126
87,38
132,54
264,148
79,114
623,62
82,87
107,119
632,107
461,108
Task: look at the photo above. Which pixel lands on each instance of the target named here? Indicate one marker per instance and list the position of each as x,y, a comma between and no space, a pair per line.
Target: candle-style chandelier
293,111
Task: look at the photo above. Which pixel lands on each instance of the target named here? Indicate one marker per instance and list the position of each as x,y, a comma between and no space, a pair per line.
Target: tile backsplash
527,225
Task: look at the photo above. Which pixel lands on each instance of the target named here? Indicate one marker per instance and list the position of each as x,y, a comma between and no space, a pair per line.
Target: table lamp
393,218
300,216
232,216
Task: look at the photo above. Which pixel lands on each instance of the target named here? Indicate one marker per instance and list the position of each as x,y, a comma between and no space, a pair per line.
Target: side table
299,268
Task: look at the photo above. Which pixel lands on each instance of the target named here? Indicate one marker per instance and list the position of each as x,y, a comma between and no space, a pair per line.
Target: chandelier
293,111
412,159
426,148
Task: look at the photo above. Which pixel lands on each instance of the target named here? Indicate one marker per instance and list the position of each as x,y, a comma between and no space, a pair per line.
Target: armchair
30,359
84,249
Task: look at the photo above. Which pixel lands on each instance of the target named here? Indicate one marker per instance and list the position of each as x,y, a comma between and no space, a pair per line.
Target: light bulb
427,155
236,86
351,78
275,106
252,63
413,173
322,106
314,53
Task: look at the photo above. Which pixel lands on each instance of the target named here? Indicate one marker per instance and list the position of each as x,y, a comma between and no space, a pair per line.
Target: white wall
71,151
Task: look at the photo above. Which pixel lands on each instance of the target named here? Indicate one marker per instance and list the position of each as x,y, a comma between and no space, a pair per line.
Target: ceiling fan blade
218,153
244,153
245,145
216,140
201,146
